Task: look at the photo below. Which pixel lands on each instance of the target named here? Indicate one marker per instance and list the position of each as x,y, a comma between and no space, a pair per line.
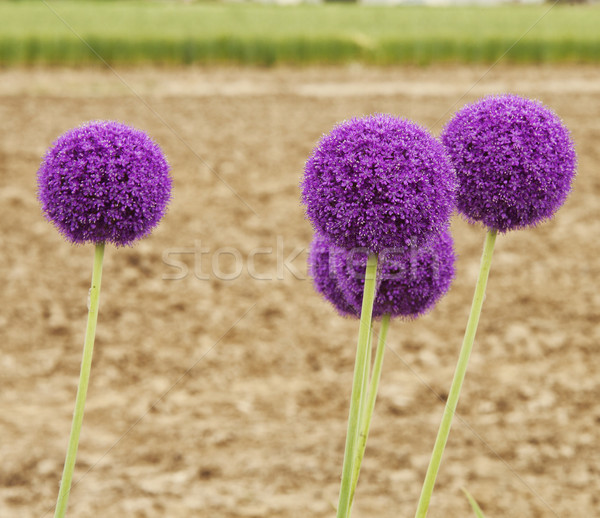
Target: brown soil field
220,381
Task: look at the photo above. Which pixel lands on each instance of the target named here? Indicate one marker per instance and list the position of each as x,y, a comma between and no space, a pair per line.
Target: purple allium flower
104,181
514,159
410,282
379,182
320,268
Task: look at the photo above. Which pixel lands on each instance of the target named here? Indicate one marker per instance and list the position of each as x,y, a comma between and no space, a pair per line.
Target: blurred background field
229,399
133,33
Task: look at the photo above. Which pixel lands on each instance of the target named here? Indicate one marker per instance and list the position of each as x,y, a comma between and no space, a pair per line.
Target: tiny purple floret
410,282
379,182
514,158
104,181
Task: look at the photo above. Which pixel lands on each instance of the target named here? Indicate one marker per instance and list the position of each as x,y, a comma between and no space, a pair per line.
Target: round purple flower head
104,181
378,182
411,282
514,159
320,268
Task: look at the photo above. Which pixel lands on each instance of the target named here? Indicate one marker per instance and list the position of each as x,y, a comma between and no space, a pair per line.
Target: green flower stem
343,510
84,378
459,376
367,414
367,372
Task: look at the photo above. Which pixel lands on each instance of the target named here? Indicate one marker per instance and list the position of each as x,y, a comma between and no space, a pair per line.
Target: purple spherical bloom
514,159
320,268
410,282
104,181
379,182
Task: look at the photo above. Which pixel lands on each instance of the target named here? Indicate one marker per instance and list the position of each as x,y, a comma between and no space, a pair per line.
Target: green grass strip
135,32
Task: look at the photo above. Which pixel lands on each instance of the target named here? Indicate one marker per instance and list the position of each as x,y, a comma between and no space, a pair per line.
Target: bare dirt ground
228,396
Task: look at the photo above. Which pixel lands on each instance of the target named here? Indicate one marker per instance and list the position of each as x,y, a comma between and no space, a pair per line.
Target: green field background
132,32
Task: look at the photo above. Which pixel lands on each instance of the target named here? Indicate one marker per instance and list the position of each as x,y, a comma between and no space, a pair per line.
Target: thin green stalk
459,376
367,414
366,377
84,378
343,510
